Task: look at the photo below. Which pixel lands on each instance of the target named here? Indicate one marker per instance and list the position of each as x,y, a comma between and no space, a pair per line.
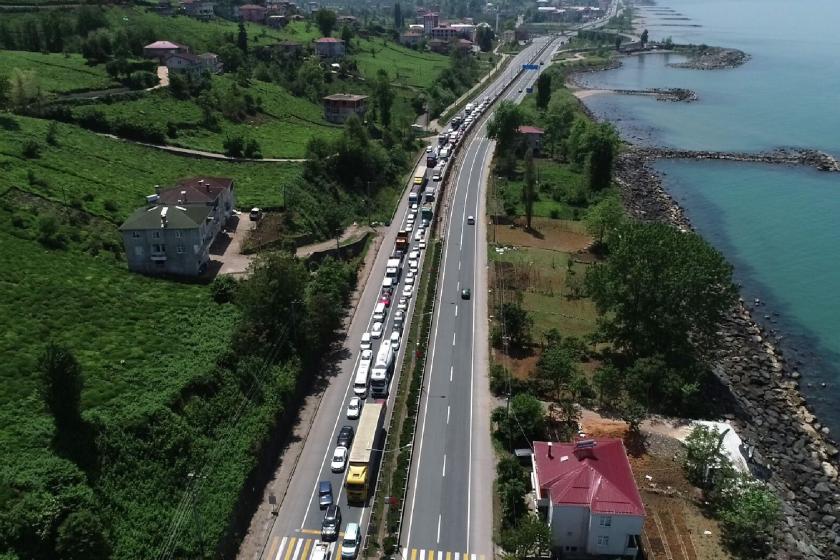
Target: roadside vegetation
590,309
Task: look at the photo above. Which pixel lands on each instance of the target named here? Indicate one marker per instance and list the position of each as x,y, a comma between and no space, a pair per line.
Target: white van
350,544
379,312
366,341
387,283
360,384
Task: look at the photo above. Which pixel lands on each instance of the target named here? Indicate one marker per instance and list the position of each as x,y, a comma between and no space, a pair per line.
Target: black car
345,436
465,293
325,495
331,524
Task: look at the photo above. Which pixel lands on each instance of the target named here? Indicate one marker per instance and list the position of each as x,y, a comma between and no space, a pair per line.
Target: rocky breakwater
661,94
771,412
784,156
702,57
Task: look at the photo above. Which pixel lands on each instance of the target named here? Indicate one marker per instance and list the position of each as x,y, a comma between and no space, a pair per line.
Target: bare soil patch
557,235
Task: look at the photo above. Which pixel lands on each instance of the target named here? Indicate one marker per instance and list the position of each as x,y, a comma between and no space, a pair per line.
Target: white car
470,220
339,459
412,264
422,244
436,177
414,255
409,281
395,340
365,345
428,149
408,291
403,304
419,235
414,206
354,408
367,355
376,330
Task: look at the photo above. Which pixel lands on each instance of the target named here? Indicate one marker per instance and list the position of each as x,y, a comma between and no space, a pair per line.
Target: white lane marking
423,555
453,339
405,554
297,549
451,371
456,310
438,533
440,555
459,265
447,410
444,465
282,547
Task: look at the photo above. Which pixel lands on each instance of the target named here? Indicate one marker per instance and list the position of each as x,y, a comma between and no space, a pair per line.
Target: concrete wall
620,526
139,250
569,526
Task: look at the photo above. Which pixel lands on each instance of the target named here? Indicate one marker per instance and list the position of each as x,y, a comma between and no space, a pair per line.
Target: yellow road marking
413,554
448,556
290,548
310,531
306,548
338,551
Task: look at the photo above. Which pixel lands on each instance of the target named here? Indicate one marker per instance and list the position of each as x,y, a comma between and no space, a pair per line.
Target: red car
386,299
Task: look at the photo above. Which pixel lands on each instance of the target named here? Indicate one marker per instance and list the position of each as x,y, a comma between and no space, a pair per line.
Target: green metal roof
177,217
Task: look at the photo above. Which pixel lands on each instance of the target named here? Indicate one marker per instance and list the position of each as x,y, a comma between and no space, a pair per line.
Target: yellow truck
365,453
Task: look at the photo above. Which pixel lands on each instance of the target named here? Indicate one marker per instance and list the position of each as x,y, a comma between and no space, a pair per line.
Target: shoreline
771,412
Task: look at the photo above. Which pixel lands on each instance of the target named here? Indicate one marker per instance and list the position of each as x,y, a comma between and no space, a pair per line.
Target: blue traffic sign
530,66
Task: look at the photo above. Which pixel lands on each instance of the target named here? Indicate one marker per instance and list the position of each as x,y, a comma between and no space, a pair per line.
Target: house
533,137
210,62
164,8
329,47
174,232
463,45
339,106
438,46
430,21
411,38
350,21
587,490
444,34
193,64
252,12
162,49
289,48
199,9
465,30
277,22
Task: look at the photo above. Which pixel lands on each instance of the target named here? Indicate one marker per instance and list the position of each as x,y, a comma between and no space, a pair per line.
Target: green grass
283,127
89,169
557,182
405,66
57,73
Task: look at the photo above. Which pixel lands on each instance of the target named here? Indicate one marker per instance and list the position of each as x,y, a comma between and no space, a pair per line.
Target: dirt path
352,232
200,153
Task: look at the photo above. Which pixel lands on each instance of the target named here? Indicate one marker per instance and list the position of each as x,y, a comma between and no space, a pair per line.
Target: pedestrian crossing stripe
298,548
424,554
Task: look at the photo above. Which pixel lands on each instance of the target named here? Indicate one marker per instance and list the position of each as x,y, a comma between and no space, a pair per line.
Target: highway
295,529
450,499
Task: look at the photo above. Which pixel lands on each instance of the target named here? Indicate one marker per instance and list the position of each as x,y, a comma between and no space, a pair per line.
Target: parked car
325,495
331,524
354,408
339,459
376,330
345,436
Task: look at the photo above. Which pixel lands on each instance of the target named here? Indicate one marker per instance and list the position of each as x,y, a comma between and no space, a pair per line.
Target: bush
111,205
31,149
234,146
142,132
50,233
141,80
94,119
252,149
223,289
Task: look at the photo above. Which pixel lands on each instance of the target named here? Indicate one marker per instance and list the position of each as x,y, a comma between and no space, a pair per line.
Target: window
606,521
156,235
135,234
179,234
180,249
138,251
603,540
158,248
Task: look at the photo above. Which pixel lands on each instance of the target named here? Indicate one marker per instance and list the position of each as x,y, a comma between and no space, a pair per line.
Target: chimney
549,450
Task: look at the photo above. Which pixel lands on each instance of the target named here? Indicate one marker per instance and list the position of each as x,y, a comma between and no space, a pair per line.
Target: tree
25,88
525,422
661,291
60,386
543,90
333,219
644,37
484,37
511,484
750,517
529,191
232,57
398,17
5,90
530,538
325,19
703,455
599,162
80,537
383,96
603,219
242,38
52,134
557,367
517,324
608,380
346,34
559,118
504,124
234,146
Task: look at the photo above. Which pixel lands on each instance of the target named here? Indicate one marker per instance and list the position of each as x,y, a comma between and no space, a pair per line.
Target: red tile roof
198,189
599,477
524,129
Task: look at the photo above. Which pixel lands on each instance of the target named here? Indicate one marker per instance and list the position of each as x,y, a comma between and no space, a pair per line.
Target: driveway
226,248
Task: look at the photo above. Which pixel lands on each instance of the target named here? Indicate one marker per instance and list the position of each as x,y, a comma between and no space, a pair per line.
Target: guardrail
424,321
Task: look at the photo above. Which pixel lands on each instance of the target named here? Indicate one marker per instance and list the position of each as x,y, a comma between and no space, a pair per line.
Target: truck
380,375
364,454
401,244
469,108
420,180
443,138
431,160
429,194
427,211
414,194
529,89
392,268
444,152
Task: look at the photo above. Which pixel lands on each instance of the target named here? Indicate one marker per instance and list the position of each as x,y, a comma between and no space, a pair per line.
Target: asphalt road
450,505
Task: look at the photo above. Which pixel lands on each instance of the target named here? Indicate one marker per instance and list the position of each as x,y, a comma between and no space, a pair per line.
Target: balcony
158,257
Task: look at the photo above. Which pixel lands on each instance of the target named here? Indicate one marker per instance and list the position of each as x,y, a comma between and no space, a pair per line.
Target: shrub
31,149
141,80
111,205
234,146
252,149
223,289
50,233
143,132
52,134
94,119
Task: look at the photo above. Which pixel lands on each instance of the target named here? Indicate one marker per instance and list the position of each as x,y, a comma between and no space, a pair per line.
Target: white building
587,490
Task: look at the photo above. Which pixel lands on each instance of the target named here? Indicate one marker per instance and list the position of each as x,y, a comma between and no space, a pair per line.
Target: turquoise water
779,226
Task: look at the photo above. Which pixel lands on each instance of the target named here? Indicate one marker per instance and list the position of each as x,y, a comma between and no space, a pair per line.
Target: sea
779,226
